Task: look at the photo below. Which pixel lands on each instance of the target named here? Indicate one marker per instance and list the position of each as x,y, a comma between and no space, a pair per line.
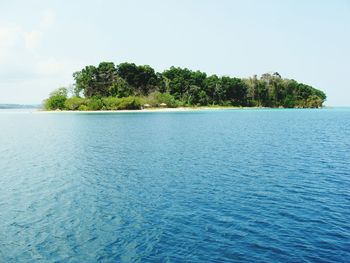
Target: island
18,106
128,86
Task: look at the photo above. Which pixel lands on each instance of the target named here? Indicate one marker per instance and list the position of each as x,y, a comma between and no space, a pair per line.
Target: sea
250,185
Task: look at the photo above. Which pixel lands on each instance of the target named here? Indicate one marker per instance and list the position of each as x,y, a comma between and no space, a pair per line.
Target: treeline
129,86
19,106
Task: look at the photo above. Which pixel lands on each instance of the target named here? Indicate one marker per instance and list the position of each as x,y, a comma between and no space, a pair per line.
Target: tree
56,100
106,75
73,103
213,89
182,86
129,72
120,88
95,81
203,98
146,79
235,90
181,82
178,81
141,78
86,81
192,95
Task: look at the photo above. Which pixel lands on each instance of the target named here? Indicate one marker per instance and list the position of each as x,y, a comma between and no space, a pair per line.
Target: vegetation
19,106
128,86
57,99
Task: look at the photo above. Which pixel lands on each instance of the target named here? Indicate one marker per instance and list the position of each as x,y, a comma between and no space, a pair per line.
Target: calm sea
200,186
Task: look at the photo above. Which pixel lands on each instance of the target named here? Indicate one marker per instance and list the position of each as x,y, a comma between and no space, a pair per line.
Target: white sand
179,109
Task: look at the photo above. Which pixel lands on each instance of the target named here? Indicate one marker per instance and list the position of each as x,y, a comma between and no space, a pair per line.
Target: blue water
201,186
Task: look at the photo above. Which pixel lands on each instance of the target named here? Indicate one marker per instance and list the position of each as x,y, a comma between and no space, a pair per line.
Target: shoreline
179,109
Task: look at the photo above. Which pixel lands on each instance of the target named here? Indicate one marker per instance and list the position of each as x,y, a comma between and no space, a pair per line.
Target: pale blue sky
43,42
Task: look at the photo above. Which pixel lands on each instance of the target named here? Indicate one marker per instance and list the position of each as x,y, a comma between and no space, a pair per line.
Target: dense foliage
128,86
57,99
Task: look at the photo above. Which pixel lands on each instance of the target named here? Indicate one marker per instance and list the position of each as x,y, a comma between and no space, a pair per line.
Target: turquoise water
201,186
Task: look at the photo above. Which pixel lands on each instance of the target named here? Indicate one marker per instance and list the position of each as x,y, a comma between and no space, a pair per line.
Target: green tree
120,88
56,99
129,103
142,78
214,90
203,98
179,81
73,103
86,81
105,77
95,81
94,103
235,90
106,86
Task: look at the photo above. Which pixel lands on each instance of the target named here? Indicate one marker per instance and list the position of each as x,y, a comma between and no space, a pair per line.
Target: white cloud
32,39
48,19
24,67
20,47
50,66
15,36
9,35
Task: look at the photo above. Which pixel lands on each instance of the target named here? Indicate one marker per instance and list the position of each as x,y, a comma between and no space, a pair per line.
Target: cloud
50,66
48,19
9,35
32,39
23,62
14,36
20,47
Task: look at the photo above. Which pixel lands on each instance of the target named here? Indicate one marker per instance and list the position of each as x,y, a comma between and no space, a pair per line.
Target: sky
43,42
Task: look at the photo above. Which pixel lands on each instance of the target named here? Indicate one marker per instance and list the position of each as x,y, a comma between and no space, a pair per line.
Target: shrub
156,98
129,103
110,103
83,108
166,98
56,100
314,102
150,99
94,103
73,103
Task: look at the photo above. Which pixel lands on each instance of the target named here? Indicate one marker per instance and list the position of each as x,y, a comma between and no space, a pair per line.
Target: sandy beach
179,109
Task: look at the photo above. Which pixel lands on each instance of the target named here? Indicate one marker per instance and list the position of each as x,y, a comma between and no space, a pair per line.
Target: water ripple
213,186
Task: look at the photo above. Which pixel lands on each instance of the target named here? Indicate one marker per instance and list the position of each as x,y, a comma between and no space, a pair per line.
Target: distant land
19,106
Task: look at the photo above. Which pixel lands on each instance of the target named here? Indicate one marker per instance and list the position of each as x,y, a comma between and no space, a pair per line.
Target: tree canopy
182,87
